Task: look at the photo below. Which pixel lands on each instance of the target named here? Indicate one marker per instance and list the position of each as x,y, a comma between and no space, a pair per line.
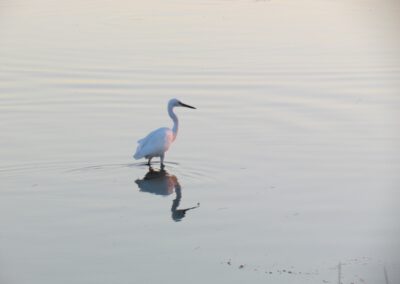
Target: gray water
289,167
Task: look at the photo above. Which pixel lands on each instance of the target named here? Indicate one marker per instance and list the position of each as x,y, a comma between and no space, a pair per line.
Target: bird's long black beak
185,105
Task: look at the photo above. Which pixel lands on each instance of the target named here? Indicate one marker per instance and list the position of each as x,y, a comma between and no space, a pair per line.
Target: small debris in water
221,208
241,266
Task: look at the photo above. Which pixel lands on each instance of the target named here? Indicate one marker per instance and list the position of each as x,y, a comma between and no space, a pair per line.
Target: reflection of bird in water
157,182
162,183
178,214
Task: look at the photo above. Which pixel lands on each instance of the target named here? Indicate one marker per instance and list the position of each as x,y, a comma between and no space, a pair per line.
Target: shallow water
288,168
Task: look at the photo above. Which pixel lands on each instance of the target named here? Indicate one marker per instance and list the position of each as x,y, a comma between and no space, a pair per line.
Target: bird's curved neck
174,118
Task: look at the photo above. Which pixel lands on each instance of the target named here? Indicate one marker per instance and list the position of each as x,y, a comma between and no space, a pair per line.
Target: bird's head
177,103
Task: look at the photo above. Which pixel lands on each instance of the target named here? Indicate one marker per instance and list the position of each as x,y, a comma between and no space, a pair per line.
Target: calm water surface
288,171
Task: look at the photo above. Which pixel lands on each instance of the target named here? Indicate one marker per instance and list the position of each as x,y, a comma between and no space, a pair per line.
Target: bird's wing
155,143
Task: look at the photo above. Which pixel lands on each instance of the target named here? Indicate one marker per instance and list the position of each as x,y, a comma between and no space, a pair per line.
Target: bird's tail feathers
138,155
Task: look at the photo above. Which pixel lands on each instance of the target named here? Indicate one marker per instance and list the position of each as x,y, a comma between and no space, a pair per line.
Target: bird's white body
157,142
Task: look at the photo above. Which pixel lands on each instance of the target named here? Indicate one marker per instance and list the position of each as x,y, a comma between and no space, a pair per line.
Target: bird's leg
149,162
162,161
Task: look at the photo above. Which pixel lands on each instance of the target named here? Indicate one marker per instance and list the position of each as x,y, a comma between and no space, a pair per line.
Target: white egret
157,142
